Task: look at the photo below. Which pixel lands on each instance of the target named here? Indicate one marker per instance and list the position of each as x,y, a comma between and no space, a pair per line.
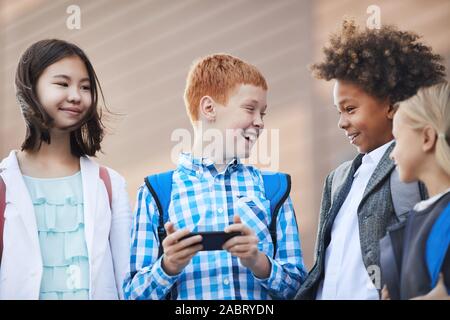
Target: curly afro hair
386,63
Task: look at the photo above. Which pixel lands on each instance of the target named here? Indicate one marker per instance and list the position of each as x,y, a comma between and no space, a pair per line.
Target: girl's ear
208,108
429,138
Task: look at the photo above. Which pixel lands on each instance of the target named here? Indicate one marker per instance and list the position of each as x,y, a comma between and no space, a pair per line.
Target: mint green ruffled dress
58,206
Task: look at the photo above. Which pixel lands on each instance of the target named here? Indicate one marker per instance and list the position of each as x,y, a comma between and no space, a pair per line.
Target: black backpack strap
423,191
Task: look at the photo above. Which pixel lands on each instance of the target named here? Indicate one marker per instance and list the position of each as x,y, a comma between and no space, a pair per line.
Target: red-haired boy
211,190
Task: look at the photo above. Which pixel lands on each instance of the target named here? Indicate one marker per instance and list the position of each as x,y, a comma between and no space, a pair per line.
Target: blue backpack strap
277,187
437,245
160,186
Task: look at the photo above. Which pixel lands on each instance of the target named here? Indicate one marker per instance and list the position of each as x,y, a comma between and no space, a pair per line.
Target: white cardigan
107,234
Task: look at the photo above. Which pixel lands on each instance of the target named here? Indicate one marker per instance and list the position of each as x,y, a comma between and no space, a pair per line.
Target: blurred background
142,50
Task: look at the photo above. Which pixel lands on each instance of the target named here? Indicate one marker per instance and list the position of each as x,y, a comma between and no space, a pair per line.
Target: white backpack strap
2,212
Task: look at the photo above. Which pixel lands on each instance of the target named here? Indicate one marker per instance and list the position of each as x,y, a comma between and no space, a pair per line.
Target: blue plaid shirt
203,199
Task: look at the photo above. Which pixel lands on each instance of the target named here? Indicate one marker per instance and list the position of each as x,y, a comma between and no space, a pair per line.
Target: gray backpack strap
405,195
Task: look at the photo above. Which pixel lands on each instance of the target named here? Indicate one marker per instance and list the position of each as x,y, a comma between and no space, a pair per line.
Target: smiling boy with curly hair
373,70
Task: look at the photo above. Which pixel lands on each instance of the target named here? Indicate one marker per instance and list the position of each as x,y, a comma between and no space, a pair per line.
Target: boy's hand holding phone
180,246
245,247
178,252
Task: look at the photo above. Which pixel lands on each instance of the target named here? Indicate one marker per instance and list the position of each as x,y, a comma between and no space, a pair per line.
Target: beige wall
142,50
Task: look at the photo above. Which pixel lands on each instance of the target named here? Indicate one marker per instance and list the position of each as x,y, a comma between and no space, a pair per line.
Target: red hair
217,76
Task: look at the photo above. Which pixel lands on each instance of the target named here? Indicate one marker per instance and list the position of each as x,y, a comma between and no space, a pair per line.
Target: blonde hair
431,106
216,76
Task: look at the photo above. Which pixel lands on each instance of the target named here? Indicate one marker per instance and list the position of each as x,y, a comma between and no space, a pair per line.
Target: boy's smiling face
367,121
239,121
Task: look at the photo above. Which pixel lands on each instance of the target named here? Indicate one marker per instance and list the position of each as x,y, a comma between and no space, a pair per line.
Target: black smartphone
213,240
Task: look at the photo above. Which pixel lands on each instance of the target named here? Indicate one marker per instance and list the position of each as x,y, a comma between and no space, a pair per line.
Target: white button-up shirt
345,274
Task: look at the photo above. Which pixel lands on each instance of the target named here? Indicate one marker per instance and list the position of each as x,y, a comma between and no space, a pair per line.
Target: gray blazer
375,213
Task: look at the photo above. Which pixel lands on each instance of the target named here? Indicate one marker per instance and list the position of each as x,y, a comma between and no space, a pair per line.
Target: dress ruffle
65,216
59,209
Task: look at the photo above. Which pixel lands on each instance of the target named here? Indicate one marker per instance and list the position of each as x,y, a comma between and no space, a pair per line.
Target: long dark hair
87,137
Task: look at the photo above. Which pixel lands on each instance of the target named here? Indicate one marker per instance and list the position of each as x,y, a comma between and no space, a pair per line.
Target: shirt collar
198,165
374,156
422,205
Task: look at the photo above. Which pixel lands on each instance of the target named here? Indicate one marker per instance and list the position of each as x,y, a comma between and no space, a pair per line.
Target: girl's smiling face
63,90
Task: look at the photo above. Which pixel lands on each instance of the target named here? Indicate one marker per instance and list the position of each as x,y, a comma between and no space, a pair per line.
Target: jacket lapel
382,171
341,192
89,175
17,194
